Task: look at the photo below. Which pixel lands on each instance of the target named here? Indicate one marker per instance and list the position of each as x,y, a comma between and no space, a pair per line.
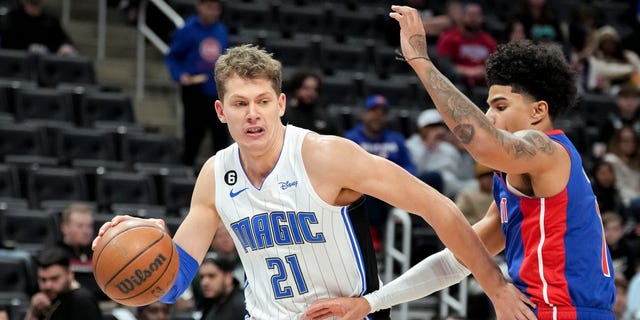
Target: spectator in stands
3,313
474,203
28,27
540,23
603,183
514,31
468,46
632,310
622,289
623,154
612,64
625,113
373,136
621,250
437,24
154,311
436,159
304,109
60,296
194,50
582,28
223,295
77,230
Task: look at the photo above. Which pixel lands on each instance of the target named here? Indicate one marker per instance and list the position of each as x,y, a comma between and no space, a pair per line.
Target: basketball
135,263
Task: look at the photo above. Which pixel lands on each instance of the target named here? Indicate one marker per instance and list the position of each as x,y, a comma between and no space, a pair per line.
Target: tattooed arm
520,152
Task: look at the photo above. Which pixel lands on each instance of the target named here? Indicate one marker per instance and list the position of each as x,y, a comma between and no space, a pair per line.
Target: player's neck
258,164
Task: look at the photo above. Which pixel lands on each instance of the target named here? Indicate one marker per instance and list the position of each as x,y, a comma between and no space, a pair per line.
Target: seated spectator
474,203
625,113
77,234
303,103
468,46
373,136
623,154
60,296
154,311
539,21
612,65
437,161
621,250
28,27
222,293
603,183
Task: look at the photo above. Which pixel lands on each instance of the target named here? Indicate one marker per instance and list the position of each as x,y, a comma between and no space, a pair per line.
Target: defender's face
508,110
251,109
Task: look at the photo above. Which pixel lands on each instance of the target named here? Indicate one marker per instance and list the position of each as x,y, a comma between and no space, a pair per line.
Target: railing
403,257
101,24
145,33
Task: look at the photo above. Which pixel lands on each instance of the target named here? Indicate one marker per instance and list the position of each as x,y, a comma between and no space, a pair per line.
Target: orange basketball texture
135,263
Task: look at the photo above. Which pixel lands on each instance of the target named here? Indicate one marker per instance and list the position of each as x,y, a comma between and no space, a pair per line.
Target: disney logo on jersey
284,185
281,228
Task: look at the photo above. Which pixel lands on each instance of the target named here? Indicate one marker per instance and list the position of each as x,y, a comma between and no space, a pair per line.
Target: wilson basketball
135,263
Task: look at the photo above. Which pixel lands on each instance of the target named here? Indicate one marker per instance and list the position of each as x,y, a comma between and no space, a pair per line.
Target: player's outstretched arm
527,151
432,274
378,177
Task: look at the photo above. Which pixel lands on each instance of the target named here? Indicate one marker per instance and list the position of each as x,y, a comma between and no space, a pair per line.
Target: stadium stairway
157,110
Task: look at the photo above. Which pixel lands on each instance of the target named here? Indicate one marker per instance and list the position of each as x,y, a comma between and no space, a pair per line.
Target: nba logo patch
504,216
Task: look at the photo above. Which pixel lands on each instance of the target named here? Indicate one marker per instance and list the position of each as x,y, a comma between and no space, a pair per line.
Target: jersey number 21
282,274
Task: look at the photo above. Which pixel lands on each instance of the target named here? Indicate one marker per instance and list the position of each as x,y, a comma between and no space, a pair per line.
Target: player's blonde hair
248,62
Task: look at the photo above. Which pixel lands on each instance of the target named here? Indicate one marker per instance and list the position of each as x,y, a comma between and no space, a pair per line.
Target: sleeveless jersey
555,246
295,248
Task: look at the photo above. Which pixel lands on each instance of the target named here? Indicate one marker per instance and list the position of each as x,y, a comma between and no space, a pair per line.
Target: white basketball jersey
295,248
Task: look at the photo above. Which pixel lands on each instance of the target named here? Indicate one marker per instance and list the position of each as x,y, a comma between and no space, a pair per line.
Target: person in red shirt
468,46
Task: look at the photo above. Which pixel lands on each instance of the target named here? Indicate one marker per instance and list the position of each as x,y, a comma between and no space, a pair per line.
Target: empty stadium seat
17,275
339,88
30,230
53,70
44,104
344,56
177,194
149,148
15,65
56,184
21,140
306,19
293,52
399,90
124,188
83,143
105,107
9,182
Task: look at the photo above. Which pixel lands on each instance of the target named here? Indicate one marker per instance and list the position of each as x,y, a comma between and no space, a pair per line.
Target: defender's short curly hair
540,71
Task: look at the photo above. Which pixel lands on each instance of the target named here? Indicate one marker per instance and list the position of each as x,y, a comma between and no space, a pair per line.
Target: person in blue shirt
194,50
373,136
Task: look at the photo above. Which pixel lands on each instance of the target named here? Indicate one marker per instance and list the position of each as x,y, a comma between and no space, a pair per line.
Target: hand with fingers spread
412,35
343,308
120,218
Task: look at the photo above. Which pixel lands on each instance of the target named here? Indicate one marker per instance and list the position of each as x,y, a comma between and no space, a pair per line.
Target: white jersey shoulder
295,248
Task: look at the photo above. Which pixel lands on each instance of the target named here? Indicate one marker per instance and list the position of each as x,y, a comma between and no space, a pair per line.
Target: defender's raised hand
412,35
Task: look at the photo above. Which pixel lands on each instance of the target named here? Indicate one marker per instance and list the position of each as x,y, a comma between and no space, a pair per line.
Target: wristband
186,272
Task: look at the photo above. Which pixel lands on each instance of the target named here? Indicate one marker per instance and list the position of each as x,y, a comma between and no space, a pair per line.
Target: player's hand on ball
120,218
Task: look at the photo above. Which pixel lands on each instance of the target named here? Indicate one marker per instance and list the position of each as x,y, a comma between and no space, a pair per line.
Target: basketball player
293,203
544,213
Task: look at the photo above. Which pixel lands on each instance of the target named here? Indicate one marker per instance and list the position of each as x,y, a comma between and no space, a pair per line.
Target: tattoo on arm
539,142
419,44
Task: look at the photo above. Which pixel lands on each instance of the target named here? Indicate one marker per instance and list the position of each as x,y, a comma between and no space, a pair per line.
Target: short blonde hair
249,62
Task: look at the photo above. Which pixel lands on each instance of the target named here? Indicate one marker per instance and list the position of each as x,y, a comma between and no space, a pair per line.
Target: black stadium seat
56,184
44,104
30,230
105,107
15,65
53,70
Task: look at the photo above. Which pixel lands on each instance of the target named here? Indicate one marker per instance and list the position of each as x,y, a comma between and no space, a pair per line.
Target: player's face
78,231
251,108
213,281
54,280
508,110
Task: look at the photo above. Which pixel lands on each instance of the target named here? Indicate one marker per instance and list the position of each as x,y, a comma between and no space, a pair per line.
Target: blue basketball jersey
555,246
